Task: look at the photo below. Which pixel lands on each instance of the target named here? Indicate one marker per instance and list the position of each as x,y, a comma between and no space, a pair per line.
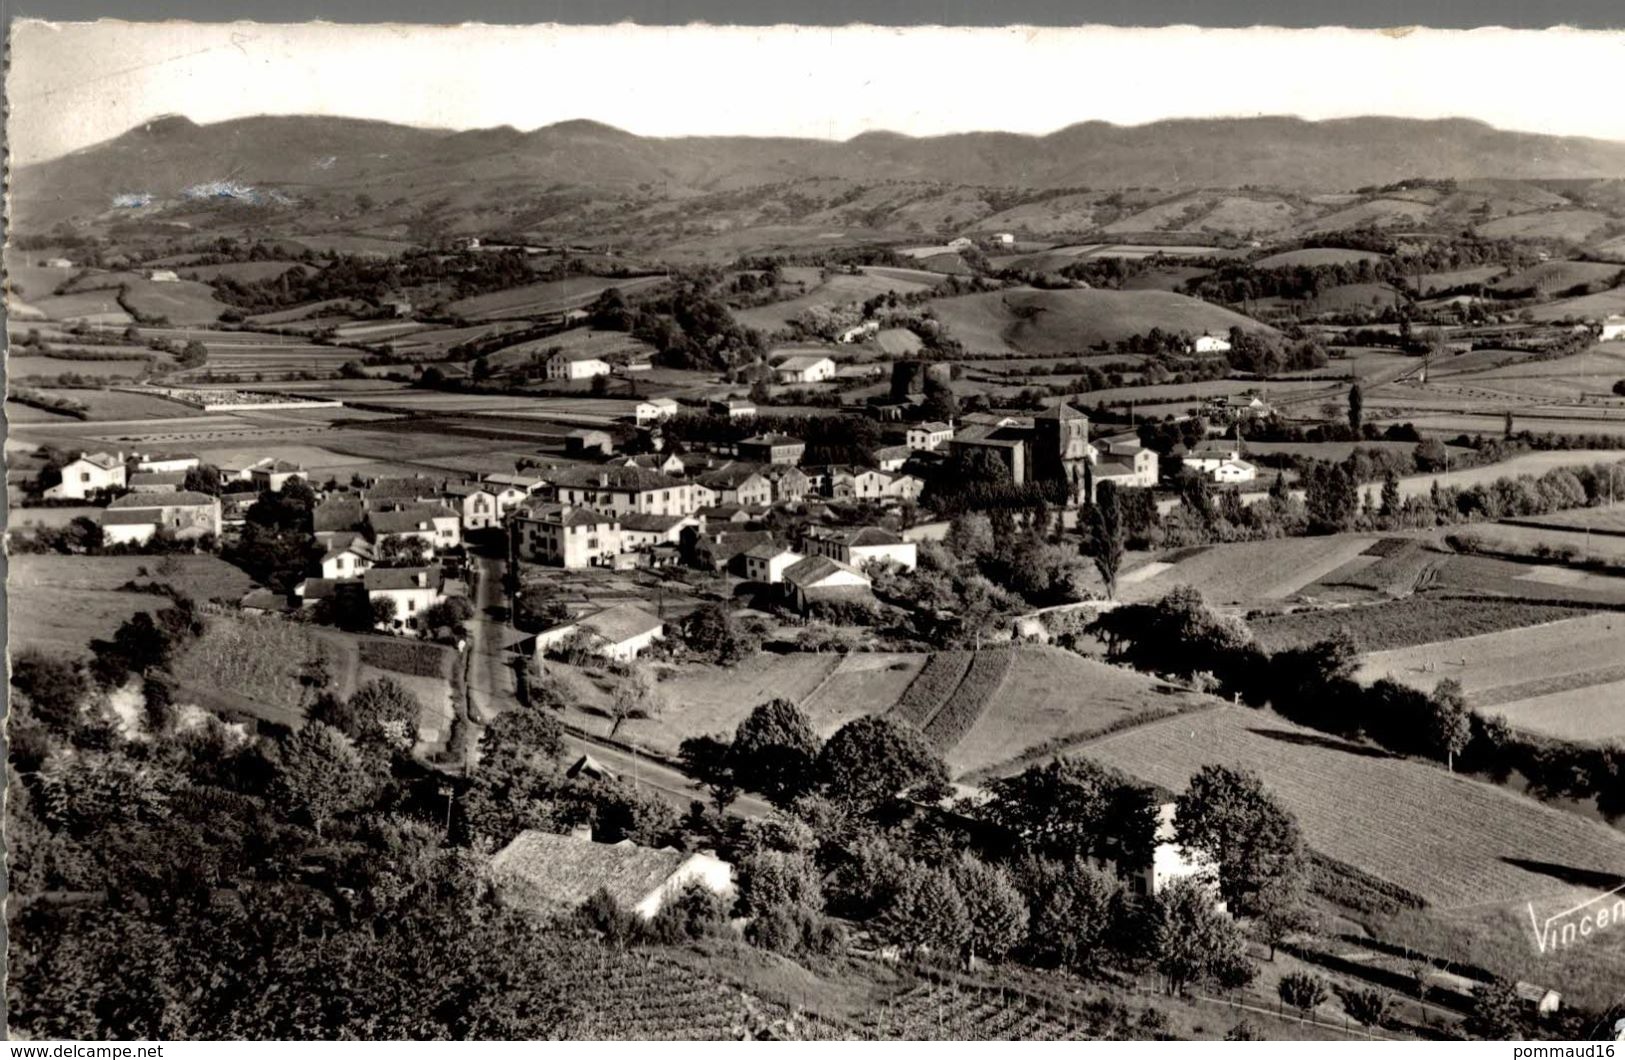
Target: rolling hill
302,157
1028,321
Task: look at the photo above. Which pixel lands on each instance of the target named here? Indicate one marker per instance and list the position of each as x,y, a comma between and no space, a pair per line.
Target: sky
72,85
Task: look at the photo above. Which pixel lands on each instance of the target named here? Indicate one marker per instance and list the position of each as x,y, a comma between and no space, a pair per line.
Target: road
491,690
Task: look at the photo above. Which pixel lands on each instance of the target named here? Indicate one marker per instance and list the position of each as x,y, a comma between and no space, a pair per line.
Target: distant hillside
1070,321
304,156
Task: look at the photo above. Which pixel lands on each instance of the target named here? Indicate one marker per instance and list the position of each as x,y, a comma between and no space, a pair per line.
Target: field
21,366
1561,678
838,290
1576,226
258,657
1516,579
542,299
94,307
241,271
117,405
1316,256
1451,840
863,683
60,603
1535,464
1556,277
715,699
1072,321
1050,699
1402,623
1253,571
1609,519
1525,540
576,340
181,302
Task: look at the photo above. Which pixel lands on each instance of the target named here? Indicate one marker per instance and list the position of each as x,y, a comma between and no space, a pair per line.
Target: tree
1451,724
1193,942
927,914
1356,409
1496,1013
1106,535
402,551
873,760
1368,1008
712,632
320,774
1073,808
1281,909
1228,815
193,355
1302,991
1072,911
382,709
996,912
635,696
694,912
1390,494
205,478
55,686
775,750
1331,496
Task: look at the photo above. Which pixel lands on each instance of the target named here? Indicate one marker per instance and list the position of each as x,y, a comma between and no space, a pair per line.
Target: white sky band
72,85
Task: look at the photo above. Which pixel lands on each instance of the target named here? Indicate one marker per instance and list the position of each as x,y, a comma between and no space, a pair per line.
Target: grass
552,296
1526,540
181,302
1404,623
960,712
1253,571
1609,520
707,699
1050,699
99,307
412,657
839,289
1452,840
117,405
1069,321
864,683
258,657
1316,256
937,681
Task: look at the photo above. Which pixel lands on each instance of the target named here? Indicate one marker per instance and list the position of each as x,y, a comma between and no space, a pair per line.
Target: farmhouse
584,440
136,517
860,546
790,484
163,276
669,464
646,531
891,457
348,555
617,633
772,449
272,474
871,484
738,484
734,409
654,410
1210,344
548,874
1208,457
929,436
87,474
807,367
413,590
569,365
527,484
1613,329
436,526
1004,238
859,332
1170,861
566,535
338,513
157,481
623,490
768,561
475,503
1233,472
58,263
1125,462
819,579
167,462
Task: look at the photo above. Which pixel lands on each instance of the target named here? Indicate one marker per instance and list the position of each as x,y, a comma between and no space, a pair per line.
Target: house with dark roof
790,484
548,874
272,474
475,503
566,535
618,632
622,490
136,517
859,546
338,513
771,448
737,484
437,526
819,579
396,491
733,408
348,555
157,481
413,591
766,562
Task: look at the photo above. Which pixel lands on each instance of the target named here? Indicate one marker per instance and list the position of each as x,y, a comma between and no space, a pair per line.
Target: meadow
707,699
839,289
1402,623
180,302
549,297
1071,321
1452,840
1252,571
863,683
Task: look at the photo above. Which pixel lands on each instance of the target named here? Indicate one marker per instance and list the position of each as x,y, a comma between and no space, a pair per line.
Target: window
84,476
411,605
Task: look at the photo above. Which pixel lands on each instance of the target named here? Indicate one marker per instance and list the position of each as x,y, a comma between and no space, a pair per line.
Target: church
1054,446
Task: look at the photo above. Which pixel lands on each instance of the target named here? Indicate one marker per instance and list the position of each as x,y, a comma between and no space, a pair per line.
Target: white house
136,517
272,474
819,578
1210,456
734,408
807,368
929,436
1004,238
548,874
859,333
654,410
617,633
566,535
475,503
437,526
1232,472
1210,344
961,243
768,561
575,364
413,590
89,473
860,546
167,462
163,276
348,555
1613,329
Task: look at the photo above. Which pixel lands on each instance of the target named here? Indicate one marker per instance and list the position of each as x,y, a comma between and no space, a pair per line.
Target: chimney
582,831
603,478
421,577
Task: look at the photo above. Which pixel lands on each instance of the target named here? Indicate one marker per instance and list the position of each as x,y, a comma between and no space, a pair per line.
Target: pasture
704,699
1312,256
1402,623
1608,519
1450,839
1250,572
115,405
20,366
1574,226
1025,321
1535,464
837,290
92,307
863,683
179,302
548,297
1519,539
1557,678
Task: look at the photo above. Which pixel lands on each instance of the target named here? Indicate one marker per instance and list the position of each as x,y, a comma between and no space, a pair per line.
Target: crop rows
628,996
955,718
260,656
938,679
938,1012
405,657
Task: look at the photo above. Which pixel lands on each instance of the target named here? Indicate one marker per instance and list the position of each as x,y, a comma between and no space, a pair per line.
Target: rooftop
801,361
616,478
382,578
772,439
544,871
814,569
621,623
178,499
